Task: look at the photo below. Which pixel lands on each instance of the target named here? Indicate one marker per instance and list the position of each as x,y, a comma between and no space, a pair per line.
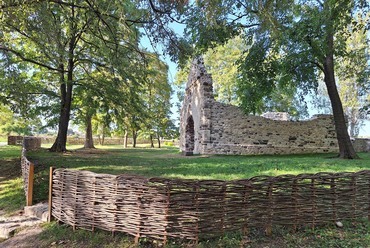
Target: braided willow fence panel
25,164
28,176
161,208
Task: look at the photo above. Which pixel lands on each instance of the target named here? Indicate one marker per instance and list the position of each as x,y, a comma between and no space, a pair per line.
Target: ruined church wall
224,129
233,132
197,105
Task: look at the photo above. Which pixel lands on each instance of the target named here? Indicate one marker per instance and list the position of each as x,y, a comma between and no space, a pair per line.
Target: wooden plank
50,193
29,197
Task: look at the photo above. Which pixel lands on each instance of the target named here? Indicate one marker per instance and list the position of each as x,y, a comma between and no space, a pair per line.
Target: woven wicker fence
189,209
27,175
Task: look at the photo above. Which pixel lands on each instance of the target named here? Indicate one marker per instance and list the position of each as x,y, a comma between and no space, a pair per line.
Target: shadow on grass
12,196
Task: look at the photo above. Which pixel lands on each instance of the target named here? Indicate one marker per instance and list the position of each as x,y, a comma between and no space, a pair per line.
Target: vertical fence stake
354,197
313,197
30,184
269,223
245,229
334,199
50,192
168,202
295,201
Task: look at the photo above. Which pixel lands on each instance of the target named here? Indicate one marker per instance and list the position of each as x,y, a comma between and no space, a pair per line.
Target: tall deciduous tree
354,76
65,36
157,99
292,41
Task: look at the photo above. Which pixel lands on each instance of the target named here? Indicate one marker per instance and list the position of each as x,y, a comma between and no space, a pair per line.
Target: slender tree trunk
89,141
102,138
151,141
66,95
159,141
346,149
125,140
134,136
65,109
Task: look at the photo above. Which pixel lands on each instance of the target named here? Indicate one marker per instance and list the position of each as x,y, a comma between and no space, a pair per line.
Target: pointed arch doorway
189,136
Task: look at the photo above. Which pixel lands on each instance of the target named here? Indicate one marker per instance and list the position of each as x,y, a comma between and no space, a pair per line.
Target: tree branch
25,59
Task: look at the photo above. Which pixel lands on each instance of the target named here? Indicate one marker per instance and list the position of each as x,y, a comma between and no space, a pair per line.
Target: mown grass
168,162
11,191
352,235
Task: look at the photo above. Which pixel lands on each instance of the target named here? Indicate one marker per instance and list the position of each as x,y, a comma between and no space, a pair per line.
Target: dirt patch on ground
26,238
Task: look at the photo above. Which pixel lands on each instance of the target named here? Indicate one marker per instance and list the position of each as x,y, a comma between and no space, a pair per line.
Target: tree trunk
102,138
346,149
66,98
125,140
134,136
89,141
151,141
65,109
159,141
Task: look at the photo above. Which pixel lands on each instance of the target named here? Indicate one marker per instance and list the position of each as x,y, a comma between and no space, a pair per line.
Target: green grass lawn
168,162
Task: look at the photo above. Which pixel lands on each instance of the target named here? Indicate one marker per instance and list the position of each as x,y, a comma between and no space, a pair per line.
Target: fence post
30,184
50,193
168,202
334,199
246,195
313,199
269,221
295,202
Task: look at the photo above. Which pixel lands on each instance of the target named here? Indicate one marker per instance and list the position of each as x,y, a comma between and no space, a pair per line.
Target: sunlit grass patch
12,196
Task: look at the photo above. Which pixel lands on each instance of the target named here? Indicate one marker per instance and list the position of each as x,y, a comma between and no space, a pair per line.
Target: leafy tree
354,77
221,63
157,99
64,37
291,42
13,123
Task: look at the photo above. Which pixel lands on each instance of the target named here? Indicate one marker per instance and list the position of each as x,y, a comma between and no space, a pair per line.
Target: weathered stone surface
361,145
210,127
32,143
33,215
39,211
15,140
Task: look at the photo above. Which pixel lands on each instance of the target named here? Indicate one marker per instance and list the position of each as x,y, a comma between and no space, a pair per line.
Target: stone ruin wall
233,132
29,143
210,127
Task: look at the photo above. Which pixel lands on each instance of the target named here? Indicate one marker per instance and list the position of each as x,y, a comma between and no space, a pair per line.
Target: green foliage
287,39
66,45
168,143
354,76
221,64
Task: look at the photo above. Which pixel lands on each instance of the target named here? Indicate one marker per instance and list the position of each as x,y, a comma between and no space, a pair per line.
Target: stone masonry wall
361,145
236,133
210,127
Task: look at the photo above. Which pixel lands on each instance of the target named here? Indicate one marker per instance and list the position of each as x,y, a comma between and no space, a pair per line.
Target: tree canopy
292,42
73,53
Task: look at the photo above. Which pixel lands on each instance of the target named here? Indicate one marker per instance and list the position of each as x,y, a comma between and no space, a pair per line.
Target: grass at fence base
351,235
11,192
168,162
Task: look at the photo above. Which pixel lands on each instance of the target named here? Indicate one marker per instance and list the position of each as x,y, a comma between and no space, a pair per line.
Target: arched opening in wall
189,137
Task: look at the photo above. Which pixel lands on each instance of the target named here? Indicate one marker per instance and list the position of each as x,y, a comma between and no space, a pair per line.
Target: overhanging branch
25,59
